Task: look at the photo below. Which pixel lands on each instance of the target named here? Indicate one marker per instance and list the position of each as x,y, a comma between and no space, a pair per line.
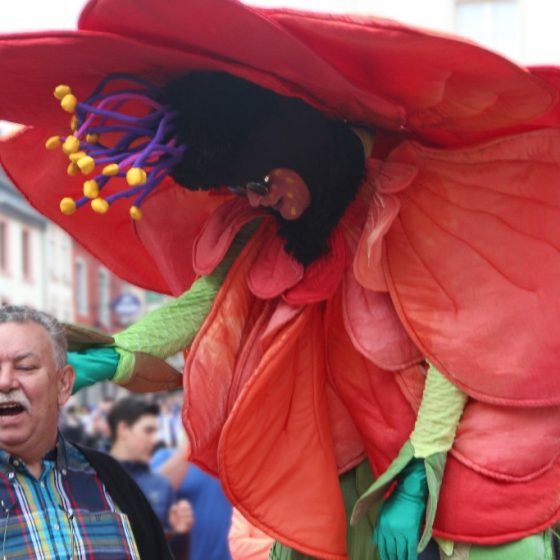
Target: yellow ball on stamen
135,213
92,138
136,176
71,145
73,123
53,142
91,189
72,169
111,169
69,102
99,205
67,206
86,164
61,91
77,156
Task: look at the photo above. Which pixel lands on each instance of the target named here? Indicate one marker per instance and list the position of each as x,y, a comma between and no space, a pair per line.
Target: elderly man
58,500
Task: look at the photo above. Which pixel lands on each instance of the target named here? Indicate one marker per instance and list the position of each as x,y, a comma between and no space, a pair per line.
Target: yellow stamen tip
92,138
71,145
293,211
69,102
290,194
91,189
86,164
53,142
67,206
111,169
61,91
135,213
99,205
136,176
73,123
72,169
77,156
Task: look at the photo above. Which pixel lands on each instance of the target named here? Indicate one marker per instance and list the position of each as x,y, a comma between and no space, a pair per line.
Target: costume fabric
449,253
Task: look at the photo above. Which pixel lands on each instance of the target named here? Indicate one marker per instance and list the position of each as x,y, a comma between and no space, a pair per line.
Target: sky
37,15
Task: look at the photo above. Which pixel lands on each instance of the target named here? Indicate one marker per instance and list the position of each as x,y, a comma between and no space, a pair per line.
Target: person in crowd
71,424
57,499
98,428
134,430
212,510
247,542
169,421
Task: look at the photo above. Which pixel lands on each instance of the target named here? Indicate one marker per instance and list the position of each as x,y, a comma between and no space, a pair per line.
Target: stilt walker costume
361,223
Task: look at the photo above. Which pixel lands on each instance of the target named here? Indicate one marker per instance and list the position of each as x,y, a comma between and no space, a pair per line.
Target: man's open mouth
11,409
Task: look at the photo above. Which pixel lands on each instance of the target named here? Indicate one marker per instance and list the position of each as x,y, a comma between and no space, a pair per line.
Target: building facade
59,282
22,249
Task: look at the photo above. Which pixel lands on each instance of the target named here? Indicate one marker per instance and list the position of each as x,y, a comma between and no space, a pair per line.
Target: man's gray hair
24,314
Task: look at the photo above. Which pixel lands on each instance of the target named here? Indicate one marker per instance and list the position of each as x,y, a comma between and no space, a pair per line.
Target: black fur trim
237,132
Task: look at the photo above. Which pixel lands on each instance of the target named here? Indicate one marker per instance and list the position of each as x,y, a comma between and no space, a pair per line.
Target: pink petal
274,271
322,277
375,328
218,232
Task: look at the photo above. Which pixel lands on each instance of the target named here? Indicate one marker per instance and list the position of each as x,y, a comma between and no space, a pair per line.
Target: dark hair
236,131
129,410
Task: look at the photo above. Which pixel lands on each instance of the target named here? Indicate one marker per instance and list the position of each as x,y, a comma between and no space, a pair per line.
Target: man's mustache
16,396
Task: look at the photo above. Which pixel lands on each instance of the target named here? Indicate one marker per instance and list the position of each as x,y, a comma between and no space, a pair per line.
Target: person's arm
176,466
180,522
246,542
418,470
135,359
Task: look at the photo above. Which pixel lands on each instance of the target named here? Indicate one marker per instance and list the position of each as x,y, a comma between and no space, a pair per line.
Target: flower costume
448,254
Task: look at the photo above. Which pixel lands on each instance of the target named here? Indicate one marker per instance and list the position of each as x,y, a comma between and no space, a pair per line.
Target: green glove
95,364
398,526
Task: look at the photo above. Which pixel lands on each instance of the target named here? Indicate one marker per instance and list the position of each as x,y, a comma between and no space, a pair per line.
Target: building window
3,247
104,303
26,256
81,288
492,23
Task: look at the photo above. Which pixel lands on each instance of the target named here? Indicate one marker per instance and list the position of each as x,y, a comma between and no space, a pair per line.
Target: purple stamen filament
147,142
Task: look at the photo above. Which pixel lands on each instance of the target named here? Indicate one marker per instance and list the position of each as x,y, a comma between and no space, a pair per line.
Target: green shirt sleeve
173,326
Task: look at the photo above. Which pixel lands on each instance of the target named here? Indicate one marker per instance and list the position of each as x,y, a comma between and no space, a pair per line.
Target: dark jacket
148,533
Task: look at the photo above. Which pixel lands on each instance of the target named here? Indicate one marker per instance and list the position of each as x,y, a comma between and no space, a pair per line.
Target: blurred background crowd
145,434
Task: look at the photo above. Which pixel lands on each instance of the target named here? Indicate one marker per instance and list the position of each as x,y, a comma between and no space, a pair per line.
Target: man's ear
66,379
121,429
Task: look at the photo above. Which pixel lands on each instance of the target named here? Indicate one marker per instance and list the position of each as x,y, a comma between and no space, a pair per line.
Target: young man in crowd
134,428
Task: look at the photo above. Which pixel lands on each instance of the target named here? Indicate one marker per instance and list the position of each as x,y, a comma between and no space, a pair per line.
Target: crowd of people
145,434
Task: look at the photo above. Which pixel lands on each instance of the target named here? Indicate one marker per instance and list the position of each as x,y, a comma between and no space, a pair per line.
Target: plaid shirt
65,514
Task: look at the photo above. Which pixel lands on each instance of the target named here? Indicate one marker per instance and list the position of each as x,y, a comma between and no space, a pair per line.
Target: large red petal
473,264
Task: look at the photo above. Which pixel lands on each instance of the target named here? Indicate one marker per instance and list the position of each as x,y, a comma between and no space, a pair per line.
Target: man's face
139,439
32,389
